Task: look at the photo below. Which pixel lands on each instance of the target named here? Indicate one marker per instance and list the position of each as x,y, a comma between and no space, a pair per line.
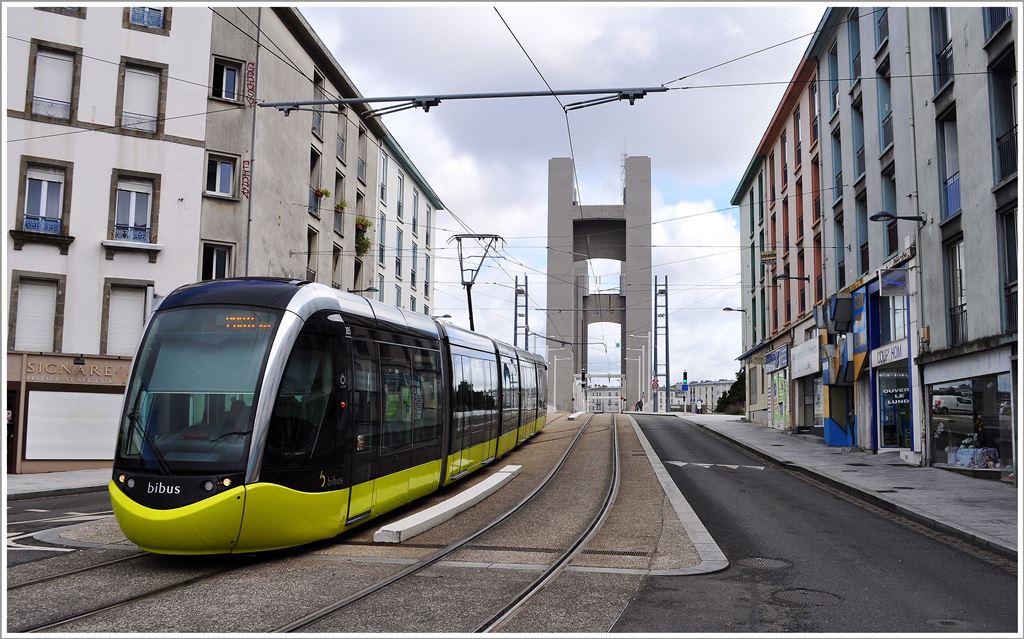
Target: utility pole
522,310
661,325
469,273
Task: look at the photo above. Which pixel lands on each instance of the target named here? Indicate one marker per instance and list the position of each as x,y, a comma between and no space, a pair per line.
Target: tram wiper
133,417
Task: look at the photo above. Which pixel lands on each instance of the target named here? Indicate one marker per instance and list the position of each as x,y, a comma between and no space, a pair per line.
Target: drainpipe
918,383
252,138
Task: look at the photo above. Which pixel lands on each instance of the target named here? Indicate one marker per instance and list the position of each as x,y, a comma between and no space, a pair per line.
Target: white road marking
64,518
732,466
36,510
11,545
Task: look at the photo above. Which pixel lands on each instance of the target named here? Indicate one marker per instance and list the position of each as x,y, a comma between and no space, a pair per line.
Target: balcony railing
818,287
401,208
318,124
996,17
856,66
310,274
314,203
957,324
837,185
944,66
412,279
883,25
859,165
147,17
835,97
785,243
36,224
785,174
339,221
1006,145
841,274
339,148
131,233
952,192
361,169
335,284
51,108
803,298
887,130
817,208
865,255
138,121
796,154
1011,306
426,288
814,130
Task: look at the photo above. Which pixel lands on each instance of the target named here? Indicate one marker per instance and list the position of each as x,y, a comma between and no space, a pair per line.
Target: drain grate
805,597
618,553
766,563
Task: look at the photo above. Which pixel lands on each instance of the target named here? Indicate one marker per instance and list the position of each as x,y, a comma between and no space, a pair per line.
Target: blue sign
686,387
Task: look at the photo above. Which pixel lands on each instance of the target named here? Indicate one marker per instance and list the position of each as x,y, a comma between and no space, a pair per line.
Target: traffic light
684,378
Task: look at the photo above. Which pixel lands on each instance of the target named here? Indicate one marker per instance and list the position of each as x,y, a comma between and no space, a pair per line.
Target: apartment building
139,161
912,118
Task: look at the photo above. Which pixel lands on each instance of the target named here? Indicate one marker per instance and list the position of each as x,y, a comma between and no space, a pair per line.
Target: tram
266,413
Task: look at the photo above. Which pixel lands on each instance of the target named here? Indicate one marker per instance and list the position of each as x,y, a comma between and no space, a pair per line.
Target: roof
748,176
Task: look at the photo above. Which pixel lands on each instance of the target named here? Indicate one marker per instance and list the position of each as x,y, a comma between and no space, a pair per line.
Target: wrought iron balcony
147,17
129,233
1006,146
37,224
952,194
138,121
51,108
957,324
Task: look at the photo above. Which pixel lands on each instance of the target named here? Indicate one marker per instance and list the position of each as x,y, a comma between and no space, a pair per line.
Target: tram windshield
190,403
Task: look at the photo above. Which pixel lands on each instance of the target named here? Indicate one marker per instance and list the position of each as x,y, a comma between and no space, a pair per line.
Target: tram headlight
120,478
226,482
131,482
208,485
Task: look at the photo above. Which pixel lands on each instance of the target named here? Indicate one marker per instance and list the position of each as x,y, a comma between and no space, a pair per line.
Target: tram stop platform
650,530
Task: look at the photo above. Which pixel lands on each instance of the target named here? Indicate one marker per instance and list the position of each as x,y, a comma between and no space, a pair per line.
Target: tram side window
510,385
426,366
366,395
398,397
302,402
462,390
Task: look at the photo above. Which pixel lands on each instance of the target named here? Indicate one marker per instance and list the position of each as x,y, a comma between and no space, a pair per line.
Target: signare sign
890,353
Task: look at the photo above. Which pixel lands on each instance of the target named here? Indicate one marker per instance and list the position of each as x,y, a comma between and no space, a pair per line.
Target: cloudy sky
487,159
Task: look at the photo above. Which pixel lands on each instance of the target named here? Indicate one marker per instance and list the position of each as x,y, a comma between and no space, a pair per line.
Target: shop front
806,369
776,367
63,411
890,368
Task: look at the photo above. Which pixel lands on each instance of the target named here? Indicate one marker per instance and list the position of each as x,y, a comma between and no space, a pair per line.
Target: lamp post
639,369
445,316
737,310
646,363
371,289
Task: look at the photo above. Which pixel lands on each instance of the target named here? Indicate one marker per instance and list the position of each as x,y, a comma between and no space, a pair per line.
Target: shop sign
805,359
892,282
59,370
890,353
779,358
860,331
900,257
768,256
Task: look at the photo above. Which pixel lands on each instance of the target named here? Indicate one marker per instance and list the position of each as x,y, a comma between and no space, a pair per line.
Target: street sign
686,387
768,256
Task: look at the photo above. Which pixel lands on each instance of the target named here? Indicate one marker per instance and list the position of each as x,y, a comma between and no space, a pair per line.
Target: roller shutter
72,425
125,319
37,310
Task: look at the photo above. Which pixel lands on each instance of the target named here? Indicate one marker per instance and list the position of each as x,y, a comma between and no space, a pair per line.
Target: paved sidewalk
982,511
68,482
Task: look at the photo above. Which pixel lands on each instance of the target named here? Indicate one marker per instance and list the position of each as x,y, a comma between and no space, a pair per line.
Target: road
804,558
26,517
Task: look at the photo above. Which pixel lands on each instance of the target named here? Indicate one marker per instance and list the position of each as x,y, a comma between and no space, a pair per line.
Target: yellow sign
768,255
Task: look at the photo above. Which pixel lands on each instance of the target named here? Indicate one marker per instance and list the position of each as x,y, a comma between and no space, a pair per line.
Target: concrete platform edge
980,541
78,490
712,559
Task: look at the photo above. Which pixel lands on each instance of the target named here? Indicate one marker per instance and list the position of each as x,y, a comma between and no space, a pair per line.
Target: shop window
972,424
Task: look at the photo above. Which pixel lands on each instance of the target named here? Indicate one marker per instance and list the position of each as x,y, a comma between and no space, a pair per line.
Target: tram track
327,611
76,571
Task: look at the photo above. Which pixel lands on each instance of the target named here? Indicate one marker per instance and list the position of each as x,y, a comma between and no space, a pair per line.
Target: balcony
785,174
858,161
147,17
1006,149
818,287
944,67
817,209
957,324
887,130
51,108
339,222
361,169
318,124
841,275
864,257
796,155
339,148
996,17
952,194
36,224
138,121
310,274
426,288
835,97
785,243
883,25
131,233
1011,307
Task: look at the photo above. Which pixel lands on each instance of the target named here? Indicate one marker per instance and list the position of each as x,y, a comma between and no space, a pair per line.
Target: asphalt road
805,559
26,517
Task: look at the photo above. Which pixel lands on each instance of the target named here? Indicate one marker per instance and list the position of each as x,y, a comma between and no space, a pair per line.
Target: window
339,204
889,205
401,195
36,315
384,178
398,295
956,292
1002,81
949,164
426,276
220,175
885,107
318,118
797,139
361,159
336,266
133,202
760,244
893,313
412,267
314,183
140,99
148,17
44,193
854,35
994,18
1008,253
416,212
125,318
833,79
785,165
398,252
837,166
814,108
881,26
216,261
862,235
750,202
380,238
52,89
340,145
380,287
771,179
859,164
429,222
412,304
942,47
73,12
311,250
840,240
226,77
426,310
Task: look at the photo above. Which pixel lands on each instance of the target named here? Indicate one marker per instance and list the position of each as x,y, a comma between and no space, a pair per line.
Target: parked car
944,404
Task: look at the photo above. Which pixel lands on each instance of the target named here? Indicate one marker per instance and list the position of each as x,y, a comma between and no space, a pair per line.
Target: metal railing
818,287
335,284
339,221
834,96
785,174
51,108
952,194
38,224
314,203
339,148
865,254
887,130
883,25
856,66
426,288
996,17
138,121
944,66
318,124
310,274
1006,146
361,169
1011,306
131,233
796,154
841,274
957,324
814,130
817,208
147,17
859,165
837,184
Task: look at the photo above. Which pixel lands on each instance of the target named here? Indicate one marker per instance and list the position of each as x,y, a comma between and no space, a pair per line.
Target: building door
12,429
894,427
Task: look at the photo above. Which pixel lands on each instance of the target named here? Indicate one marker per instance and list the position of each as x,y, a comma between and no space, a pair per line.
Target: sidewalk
68,482
981,511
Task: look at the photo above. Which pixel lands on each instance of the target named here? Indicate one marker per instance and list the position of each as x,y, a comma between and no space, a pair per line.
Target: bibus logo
161,489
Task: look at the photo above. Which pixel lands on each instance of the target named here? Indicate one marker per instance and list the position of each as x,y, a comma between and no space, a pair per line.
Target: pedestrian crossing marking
36,510
732,466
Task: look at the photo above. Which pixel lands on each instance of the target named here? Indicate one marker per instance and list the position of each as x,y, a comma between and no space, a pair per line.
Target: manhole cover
805,597
766,563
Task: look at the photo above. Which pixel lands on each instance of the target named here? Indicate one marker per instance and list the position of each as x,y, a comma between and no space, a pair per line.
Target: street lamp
806,278
371,289
885,216
738,310
445,316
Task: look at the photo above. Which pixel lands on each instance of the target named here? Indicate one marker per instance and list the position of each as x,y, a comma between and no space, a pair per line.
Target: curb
56,492
874,500
712,559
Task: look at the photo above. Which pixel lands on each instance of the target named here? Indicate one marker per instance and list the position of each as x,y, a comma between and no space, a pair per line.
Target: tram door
461,407
361,427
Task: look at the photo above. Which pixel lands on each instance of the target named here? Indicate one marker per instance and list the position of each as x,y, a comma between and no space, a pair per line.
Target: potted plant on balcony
322,192
340,206
363,224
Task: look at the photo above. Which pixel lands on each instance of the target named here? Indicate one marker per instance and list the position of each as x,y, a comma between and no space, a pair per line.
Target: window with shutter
125,319
37,311
132,213
51,93
141,102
